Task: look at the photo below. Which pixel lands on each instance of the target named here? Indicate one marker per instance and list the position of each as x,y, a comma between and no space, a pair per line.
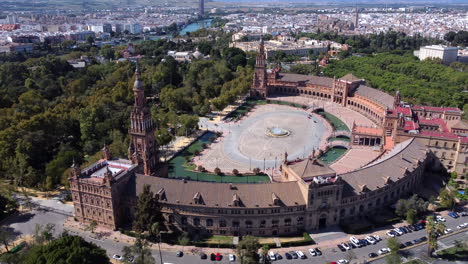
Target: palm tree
432,228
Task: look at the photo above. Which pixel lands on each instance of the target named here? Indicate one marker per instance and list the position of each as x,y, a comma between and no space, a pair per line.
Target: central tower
260,84
143,149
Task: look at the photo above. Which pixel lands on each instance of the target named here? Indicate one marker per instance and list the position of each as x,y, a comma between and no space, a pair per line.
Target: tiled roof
462,124
292,77
376,95
406,111
390,167
310,167
220,194
350,78
411,125
436,109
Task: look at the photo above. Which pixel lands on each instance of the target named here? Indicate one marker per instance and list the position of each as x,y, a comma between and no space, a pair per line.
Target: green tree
140,251
393,258
67,249
6,206
393,244
6,237
264,253
411,216
147,210
92,226
247,250
107,52
432,228
183,240
447,199
43,233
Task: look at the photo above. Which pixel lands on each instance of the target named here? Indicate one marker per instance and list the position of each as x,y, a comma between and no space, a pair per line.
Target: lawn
332,154
180,168
335,121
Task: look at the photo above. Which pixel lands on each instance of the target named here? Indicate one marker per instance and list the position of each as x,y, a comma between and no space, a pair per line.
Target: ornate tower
397,99
356,18
143,149
260,84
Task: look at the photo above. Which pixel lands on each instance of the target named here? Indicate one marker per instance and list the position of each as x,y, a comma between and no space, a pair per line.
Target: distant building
356,18
133,28
9,27
104,28
24,39
17,47
201,8
445,53
12,19
81,36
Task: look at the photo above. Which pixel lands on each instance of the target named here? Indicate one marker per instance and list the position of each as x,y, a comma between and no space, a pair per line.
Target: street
51,211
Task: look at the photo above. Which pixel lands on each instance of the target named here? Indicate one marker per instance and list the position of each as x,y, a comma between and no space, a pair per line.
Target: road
51,211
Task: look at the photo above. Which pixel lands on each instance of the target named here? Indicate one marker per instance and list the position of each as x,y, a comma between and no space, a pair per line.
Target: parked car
463,213
232,257
300,254
398,231
117,257
179,254
312,252
293,254
372,255
371,240
461,226
341,247
408,243
453,215
343,261
218,257
448,230
213,256
376,237
203,256
319,253
440,218
412,228
346,246
278,256
382,251
287,255
272,256
391,233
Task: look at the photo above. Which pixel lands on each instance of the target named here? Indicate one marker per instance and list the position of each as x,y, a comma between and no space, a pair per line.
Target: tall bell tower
143,149
260,85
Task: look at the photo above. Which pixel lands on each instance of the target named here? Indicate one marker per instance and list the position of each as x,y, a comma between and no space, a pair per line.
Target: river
195,26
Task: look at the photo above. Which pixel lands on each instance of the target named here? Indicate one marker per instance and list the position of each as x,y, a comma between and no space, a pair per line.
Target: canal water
196,26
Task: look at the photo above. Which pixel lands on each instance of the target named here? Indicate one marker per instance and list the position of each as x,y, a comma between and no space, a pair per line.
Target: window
342,212
300,220
361,208
262,223
248,224
209,222
287,221
196,221
274,223
222,223
184,220
235,224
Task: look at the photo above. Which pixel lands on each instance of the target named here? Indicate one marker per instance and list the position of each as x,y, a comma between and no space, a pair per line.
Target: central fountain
277,132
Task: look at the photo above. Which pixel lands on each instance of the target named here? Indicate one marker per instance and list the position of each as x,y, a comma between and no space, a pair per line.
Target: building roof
461,124
436,109
220,194
292,77
406,111
376,95
310,168
391,167
350,78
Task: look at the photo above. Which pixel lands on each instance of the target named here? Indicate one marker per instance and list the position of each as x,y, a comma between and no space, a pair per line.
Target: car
423,238
293,254
364,242
408,243
371,240
354,244
448,230
319,253
417,241
398,231
287,255
212,256
300,254
461,226
351,245
341,247
382,251
232,257
117,257
218,257
346,246
440,218
343,261
312,252
463,213
376,237
179,254
131,259
272,255
412,228
203,256
391,233
405,229
372,255
278,256
453,215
